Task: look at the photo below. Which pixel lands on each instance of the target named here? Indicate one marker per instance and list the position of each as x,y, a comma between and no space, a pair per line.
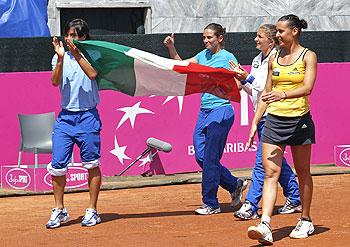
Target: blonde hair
270,30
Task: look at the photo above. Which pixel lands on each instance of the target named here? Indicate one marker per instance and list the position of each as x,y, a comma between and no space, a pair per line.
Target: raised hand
242,74
58,47
169,41
72,48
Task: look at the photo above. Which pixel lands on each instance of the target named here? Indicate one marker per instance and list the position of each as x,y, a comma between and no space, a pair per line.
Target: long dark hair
80,26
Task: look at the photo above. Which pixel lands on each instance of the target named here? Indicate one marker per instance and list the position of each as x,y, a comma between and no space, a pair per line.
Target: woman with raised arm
78,123
214,121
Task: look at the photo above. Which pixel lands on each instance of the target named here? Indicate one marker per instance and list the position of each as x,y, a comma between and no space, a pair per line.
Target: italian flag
139,73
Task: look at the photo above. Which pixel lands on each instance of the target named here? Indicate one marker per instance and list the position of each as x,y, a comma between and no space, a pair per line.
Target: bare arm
56,76
85,65
260,110
262,106
169,43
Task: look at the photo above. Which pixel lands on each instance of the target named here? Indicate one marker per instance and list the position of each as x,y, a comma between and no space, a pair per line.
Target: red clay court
163,216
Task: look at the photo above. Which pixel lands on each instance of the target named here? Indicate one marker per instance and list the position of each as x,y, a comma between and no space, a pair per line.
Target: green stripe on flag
115,69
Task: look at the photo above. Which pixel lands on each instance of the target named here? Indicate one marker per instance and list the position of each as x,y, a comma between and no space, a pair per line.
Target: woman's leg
272,161
301,157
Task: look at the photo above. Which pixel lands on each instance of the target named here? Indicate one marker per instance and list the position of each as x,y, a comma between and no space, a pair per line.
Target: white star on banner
131,113
149,157
119,151
145,160
180,100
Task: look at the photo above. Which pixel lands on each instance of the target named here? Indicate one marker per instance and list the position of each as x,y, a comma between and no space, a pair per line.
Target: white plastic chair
36,134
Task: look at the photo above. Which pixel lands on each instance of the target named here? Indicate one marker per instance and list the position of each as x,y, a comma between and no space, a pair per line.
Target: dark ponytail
218,30
294,22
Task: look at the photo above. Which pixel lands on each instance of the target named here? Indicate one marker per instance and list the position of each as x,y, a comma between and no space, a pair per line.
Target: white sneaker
246,212
303,229
237,194
58,216
262,233
91,218
289,208
205,210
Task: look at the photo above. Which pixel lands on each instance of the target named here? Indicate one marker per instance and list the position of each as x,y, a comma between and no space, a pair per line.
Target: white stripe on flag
155,75
154,60
151,80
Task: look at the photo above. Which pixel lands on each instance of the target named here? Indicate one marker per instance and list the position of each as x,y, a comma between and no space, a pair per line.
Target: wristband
250,78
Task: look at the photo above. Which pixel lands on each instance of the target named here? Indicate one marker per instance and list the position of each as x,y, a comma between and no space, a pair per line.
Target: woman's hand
242,74
273,96
58,47
253,130
169,41
72,48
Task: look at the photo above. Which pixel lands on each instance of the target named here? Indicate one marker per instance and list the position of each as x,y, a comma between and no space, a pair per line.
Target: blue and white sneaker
246,212
58,216
91,218
289,208
206,210
237,194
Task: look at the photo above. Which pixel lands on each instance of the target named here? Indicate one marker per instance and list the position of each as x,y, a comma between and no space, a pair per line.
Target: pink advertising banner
129,121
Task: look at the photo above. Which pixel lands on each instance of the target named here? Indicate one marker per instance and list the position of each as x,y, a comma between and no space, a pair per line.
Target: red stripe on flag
205,79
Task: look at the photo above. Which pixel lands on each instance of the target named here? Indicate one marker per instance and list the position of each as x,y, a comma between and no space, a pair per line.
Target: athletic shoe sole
91,223
244,186
256,235
216,211
302,236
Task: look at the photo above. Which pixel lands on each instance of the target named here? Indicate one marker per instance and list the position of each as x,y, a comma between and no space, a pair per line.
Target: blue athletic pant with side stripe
209,138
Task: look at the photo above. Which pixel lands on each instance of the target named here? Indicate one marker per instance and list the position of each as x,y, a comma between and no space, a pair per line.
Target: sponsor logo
304,126
236,147
344,156
294,72
275,72
18,178
255,65
76,177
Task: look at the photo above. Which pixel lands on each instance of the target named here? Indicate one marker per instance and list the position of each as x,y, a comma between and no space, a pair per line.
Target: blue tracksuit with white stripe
214,122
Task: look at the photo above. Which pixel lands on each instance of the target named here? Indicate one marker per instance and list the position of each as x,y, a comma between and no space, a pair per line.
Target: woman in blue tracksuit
78,123
214,121
254,84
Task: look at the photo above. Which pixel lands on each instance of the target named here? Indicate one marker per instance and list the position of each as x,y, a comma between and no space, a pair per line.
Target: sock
306,219
266,218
